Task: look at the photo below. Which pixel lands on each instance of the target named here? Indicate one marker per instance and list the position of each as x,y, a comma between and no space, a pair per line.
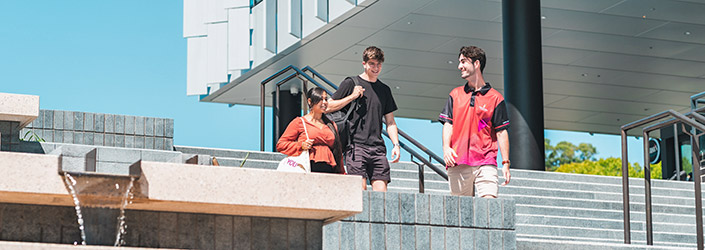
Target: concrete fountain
163,204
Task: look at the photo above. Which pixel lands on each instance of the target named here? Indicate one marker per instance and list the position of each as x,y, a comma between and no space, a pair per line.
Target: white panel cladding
259,31
216,11
238,39
295,18
194,18
217,53
322,10
236,4
336,8
271,25
196,62
310,22
284,36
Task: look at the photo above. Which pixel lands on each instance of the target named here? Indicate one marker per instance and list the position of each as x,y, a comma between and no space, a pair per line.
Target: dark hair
474,53
315,94
373,52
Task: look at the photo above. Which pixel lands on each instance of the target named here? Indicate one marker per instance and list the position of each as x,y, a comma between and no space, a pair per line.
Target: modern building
602,64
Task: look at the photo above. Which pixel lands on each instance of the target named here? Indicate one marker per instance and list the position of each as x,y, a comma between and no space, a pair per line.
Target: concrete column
523,83
289,108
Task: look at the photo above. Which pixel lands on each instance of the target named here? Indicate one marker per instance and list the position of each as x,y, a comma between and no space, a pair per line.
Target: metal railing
698,171
305,78
692,119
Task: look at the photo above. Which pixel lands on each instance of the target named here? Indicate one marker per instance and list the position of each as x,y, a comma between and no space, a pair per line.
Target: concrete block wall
421,221
53,224
9,135
103,129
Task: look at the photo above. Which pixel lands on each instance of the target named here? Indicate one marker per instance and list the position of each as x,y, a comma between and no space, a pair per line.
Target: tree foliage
609,167
568,158
565,152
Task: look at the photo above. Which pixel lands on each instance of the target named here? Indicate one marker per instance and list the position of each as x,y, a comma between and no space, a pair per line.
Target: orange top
323,139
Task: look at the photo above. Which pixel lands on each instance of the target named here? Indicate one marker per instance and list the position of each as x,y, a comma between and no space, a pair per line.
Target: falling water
122,226
71,183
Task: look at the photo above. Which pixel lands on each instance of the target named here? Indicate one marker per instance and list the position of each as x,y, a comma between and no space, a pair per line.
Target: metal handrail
306,78
677,117
695,99
697,171
262,93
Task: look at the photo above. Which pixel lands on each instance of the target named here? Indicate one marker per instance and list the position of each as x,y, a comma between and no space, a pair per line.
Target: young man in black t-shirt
366,153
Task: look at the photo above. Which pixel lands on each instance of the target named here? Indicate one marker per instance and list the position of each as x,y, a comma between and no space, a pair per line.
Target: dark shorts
322,167
370,162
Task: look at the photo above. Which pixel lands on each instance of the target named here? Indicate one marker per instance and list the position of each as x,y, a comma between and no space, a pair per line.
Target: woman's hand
307,144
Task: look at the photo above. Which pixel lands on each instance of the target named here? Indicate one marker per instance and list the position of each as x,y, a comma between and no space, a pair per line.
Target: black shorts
322,167
370,162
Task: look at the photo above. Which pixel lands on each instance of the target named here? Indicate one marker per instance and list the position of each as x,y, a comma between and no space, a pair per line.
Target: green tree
565,152
609,167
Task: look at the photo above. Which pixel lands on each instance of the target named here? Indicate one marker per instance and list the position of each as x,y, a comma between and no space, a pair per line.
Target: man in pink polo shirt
475,123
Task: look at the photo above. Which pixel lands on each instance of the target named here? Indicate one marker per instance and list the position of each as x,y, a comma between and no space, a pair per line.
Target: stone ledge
19,108
175,187
12,245
252,192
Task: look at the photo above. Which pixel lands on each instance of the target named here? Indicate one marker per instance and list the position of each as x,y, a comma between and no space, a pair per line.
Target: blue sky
129,57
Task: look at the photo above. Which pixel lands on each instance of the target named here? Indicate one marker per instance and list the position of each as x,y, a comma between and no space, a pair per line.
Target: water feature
122,226
100,202
71,183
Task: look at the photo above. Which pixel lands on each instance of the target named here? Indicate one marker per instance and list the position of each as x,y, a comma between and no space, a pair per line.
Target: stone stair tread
558,242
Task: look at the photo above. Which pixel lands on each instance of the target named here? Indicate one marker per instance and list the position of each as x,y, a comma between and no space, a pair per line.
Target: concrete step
414,174
678,190
560,243
603,214
616,234
555,220
231,153
657,207
249,163
585,178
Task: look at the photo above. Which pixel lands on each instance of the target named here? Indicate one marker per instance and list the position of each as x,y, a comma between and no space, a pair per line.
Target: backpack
342,120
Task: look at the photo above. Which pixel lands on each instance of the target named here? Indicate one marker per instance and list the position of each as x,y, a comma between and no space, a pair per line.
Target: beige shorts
466,180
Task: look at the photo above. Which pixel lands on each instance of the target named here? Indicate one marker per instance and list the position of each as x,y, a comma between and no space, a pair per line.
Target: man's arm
393,135
335,105
449,154
503,141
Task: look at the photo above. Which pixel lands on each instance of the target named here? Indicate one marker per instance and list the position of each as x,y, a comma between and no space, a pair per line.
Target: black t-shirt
376,102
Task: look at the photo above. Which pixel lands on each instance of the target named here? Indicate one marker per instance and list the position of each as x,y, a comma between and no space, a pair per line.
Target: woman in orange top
324,145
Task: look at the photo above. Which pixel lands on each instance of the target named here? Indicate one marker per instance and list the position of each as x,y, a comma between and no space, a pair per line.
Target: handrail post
677,151
261,118
625,189
275,118
697,178
697,175
647,192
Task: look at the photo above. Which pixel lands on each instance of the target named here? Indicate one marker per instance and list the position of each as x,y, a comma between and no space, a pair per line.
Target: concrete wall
422,221
389,220
54,224
103,129
9,135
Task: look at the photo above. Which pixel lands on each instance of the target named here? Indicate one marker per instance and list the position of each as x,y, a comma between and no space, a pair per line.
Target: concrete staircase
552,208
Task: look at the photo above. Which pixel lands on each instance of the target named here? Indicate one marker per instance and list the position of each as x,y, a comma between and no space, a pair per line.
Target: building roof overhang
605,63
